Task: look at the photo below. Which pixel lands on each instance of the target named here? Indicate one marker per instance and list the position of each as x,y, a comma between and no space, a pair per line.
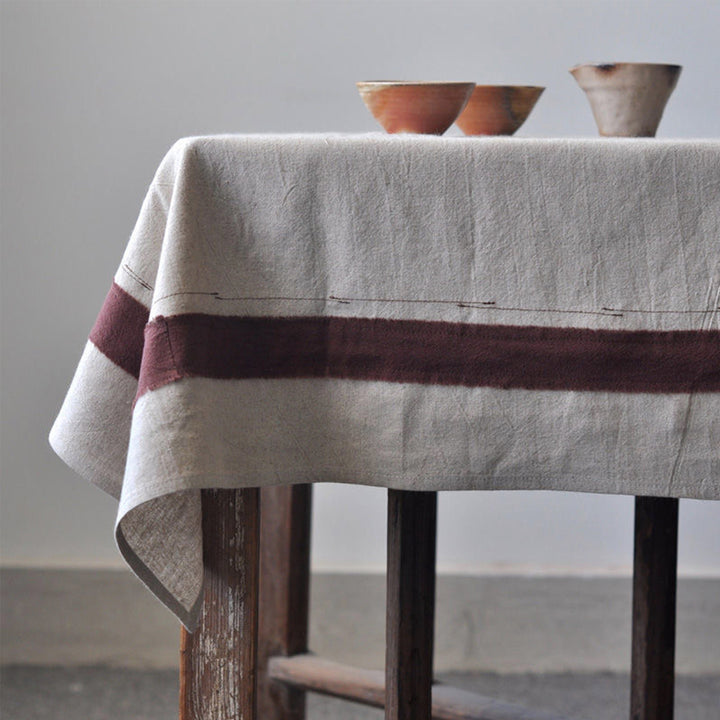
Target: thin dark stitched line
471,304
491,305
136,277
662,312
211,294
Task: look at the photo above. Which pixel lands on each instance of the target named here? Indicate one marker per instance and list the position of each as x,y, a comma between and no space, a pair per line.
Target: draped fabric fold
403,311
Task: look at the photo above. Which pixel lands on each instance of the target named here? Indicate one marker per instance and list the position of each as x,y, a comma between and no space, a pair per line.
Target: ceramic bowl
498,109
415,107
627,99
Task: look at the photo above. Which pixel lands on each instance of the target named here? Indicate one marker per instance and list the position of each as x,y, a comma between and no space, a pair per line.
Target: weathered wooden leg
285,521
412,521
218,661
653,619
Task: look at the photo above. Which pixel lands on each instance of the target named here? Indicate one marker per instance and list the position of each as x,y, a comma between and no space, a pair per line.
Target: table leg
218,660
412,521
285,520
654,596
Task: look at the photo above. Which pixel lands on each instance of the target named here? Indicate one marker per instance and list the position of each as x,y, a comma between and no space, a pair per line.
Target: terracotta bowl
627,99
498,109
415,107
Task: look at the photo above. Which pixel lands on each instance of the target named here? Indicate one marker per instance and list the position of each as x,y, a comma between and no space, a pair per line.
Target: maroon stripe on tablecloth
118,330
415,351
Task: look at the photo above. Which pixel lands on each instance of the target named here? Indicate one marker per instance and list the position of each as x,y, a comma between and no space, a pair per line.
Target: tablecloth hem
83,464
407,481
188,617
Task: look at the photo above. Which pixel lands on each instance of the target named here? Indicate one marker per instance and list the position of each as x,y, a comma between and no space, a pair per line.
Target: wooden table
299,309
248,660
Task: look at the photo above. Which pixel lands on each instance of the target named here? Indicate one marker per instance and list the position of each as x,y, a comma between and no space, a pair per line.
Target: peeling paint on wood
218,661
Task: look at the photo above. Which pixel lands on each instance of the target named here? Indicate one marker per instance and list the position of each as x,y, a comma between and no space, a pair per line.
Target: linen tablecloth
413,312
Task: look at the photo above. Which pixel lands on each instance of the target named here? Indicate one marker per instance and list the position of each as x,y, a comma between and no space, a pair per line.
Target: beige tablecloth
413,312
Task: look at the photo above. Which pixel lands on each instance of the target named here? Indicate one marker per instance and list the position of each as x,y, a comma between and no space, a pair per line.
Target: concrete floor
99,693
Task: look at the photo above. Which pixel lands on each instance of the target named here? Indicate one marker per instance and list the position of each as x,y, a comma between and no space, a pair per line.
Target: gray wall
94,93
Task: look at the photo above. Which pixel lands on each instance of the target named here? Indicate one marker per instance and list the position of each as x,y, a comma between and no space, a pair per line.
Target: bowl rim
608,65
511,87
412,83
